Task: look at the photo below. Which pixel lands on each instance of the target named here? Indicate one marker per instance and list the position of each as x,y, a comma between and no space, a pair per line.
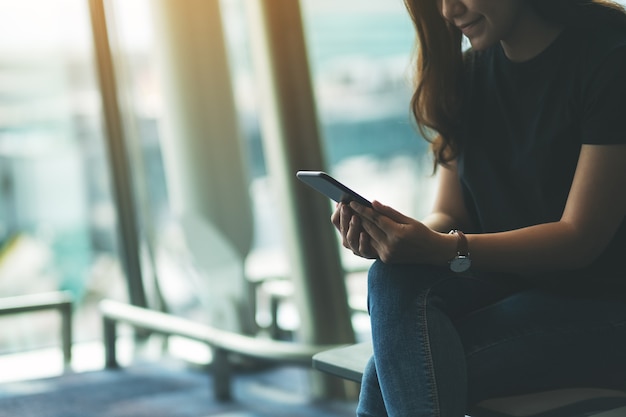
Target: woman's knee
399,284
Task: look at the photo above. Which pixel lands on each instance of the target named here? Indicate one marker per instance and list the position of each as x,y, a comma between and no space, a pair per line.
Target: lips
466,27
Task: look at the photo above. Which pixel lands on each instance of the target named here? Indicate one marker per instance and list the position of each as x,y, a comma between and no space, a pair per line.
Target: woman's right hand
353,236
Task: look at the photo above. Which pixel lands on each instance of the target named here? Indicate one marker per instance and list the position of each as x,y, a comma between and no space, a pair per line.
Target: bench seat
349,361
223,343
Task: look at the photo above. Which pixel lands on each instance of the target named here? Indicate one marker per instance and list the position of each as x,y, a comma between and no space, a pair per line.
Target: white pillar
203,152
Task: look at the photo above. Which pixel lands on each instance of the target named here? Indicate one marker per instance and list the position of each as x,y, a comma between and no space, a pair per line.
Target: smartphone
330,187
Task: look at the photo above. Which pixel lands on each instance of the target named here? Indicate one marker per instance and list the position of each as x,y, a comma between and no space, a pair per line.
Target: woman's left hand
397,238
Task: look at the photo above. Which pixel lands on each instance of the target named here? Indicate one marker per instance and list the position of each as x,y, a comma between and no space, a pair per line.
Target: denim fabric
443,341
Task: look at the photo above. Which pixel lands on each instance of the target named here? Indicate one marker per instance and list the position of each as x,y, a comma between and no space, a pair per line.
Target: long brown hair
437,100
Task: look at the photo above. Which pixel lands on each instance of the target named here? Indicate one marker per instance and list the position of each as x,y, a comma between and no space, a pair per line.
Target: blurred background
59,226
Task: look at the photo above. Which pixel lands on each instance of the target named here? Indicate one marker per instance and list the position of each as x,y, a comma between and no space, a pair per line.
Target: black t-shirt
523,128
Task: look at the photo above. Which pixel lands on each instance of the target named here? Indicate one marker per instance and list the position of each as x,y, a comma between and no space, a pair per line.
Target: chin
480,44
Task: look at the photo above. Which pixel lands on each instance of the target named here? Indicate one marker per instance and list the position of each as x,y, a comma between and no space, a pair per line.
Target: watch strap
462,247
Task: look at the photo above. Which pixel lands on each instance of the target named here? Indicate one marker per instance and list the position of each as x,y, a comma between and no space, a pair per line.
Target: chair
60,300
349,361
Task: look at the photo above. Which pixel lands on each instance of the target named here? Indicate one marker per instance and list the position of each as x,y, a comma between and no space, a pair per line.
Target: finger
345,227
368,214
376,230
365,247
353,233
346,217
380,213
390,212
335,218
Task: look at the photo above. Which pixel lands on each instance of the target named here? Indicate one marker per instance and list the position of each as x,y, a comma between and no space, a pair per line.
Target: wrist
447,248
461,262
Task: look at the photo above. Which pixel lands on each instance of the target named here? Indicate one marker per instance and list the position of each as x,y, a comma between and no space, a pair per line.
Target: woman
530,147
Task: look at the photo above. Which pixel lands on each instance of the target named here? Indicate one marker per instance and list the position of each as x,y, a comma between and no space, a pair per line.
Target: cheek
505,20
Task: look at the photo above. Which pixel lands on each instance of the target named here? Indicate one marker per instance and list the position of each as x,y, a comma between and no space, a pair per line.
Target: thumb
390,212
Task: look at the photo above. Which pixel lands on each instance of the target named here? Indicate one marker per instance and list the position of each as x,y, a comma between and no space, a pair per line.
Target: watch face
460,264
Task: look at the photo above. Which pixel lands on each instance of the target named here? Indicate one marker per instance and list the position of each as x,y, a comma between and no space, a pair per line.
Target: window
56,215
360,55
369,138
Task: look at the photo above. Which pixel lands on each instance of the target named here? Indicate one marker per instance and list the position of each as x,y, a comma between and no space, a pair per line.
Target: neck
531,36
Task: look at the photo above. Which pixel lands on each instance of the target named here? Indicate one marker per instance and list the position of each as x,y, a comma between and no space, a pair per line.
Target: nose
450,9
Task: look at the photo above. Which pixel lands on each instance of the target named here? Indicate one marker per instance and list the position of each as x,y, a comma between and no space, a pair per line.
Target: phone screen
330,187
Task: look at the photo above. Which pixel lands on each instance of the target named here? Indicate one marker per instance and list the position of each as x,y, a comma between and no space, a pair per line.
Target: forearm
542,247
595,208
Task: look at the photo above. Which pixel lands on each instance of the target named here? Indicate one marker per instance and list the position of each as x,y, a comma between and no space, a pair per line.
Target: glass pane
56,215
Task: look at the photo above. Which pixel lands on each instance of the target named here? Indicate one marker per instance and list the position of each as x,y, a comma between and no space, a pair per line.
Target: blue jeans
443,341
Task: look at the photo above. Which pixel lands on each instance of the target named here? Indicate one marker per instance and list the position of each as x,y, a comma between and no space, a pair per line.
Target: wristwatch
461,262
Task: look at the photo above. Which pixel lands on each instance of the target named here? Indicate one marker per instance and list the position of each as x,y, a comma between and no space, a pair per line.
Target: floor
165,388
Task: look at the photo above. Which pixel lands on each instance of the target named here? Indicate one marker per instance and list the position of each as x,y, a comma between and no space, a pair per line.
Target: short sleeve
604,111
